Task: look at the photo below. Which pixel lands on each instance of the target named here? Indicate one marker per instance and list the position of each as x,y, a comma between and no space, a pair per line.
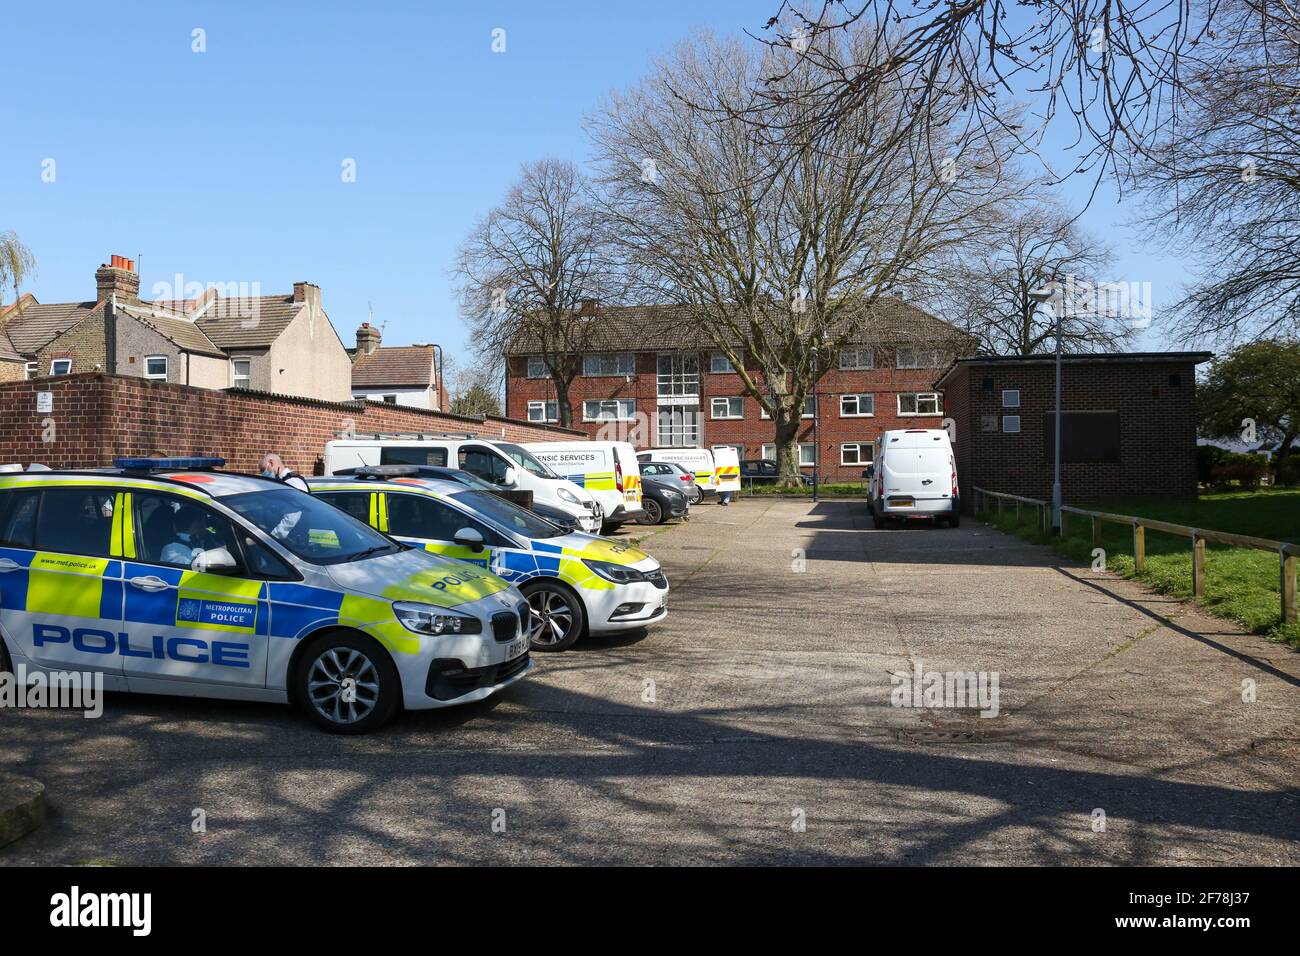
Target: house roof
253,322
405,366
7,351
37,324
667,327
182,332
1077,358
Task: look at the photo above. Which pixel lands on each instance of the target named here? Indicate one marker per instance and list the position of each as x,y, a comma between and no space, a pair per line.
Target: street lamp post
816,445
1042,297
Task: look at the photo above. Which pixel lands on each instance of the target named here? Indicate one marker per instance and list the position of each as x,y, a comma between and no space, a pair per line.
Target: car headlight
618,573
567,495
435,621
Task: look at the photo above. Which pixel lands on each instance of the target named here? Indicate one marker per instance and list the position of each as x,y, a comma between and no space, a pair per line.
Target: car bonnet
418,576
590,547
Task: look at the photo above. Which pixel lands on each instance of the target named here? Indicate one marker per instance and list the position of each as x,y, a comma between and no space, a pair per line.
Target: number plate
516,648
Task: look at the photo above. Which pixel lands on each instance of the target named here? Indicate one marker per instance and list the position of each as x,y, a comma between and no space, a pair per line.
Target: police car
171,578
574,582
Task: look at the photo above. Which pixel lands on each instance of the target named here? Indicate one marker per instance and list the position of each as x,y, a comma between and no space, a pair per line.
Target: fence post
1063,514
1017,511
1043,517
1290,611
1139,547
1096,532
1198,565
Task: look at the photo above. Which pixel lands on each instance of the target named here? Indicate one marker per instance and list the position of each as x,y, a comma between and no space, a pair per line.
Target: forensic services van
504,464
698,461
726,465
607,469
575,583
166,576
915,476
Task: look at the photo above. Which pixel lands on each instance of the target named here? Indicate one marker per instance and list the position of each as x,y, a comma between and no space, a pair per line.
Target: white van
607,469
505,464
698,461
915,476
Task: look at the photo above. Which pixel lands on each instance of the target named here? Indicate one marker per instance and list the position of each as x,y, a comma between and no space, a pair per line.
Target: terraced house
283,344
652,377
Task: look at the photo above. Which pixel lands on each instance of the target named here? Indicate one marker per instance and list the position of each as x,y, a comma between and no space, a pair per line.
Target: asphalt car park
754,725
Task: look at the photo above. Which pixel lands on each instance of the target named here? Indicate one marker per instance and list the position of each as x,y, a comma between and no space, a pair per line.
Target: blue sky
224,166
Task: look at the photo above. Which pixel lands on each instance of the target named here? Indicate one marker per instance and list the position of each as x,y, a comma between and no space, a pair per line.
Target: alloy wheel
343,685
552,617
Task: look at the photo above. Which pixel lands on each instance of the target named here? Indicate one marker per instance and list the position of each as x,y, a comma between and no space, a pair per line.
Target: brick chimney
307,292
117,276
588,307
367,339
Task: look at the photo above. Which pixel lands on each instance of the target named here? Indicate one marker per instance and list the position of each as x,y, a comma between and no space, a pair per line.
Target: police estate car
171,579
574,582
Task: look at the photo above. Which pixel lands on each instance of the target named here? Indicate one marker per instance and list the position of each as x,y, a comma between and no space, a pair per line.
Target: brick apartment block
649,356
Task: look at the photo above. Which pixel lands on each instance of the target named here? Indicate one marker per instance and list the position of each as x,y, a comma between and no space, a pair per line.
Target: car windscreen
508,514
312,529
524,459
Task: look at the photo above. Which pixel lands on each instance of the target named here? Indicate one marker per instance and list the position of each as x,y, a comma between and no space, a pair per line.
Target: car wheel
877,518
347,684
695,495
557,616
954,519
651,512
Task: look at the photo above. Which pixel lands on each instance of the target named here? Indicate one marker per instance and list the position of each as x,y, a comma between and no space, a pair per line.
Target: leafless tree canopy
1227,182
1039,247
781,240
527,267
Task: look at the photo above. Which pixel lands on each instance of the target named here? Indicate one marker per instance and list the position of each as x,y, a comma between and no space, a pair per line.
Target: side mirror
214,561
510,477
469,538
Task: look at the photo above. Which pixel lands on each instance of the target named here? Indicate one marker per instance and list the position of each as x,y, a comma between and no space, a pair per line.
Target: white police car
171,578
574,582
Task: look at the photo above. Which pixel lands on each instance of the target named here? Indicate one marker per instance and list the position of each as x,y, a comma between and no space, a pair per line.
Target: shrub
1246,470
1288,470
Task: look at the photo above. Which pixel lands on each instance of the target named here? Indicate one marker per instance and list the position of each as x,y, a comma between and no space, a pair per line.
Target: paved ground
771,706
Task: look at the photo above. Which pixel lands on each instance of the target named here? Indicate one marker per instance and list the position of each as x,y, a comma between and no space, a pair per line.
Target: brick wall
12,371
84,343
885,382
97,417
1157,428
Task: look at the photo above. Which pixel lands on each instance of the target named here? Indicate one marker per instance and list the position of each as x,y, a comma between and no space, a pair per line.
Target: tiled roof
7,351
182,332
407,366
666,327
248,323
38,324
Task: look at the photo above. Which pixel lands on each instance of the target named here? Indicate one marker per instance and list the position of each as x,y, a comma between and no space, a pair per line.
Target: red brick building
654,380
1128,424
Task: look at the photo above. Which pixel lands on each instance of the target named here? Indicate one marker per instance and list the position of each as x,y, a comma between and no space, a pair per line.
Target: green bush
1287,470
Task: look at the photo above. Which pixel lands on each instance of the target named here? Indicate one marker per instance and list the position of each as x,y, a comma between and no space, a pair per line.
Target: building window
679,427
678,376
33,369
594,365
718,362
1011,424
390,399
155,367
543,412
241,373
733,407
61,367
857,453
809,408
1011,398
909,356
769,451
857,406
536,367
918,403
857,360
609,410
807,454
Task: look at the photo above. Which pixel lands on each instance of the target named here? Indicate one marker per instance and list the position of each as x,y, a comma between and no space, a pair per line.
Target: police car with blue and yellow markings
575,582
169,577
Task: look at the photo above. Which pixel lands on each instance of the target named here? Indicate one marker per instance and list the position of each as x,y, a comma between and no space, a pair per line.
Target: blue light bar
167,464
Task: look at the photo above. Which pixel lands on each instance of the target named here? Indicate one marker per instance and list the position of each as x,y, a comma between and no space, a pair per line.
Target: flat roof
1077,358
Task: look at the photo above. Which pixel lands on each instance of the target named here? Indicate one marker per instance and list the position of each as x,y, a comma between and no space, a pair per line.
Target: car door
60,583
187,619
426,522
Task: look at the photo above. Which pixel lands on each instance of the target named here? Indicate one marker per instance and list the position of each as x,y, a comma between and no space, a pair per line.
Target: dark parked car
666,472
763,471
660,500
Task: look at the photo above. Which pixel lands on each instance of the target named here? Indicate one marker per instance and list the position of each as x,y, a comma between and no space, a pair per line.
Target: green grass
832,489
1241,584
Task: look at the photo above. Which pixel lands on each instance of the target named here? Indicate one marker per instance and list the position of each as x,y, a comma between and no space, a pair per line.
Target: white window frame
618,405
812,456
1007,424
390,399
54,362
922,357
857,398
713,407
938,403
768,451
536,367
623,364
550,411
153,376
858,446
857,365
716,358
1009,403
804,414
680,385
32,370
235,377
689,435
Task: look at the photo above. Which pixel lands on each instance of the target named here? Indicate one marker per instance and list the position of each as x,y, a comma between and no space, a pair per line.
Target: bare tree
17,264
989,288
1226,183
781,247
528,267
